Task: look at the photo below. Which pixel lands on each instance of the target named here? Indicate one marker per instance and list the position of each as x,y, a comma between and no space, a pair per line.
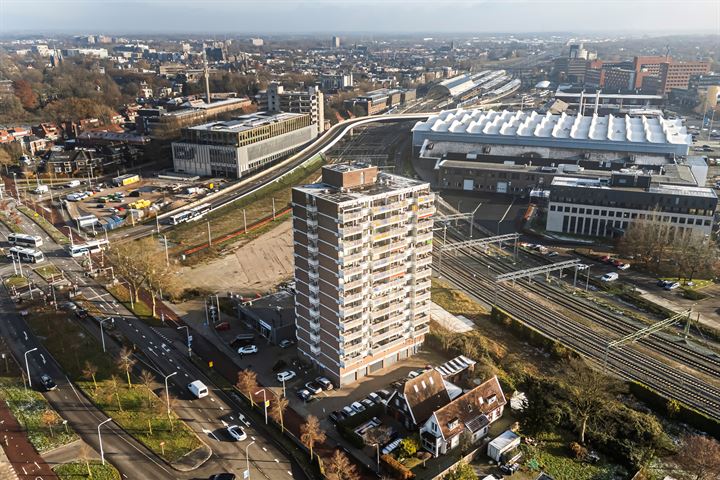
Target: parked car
610,277
367,403
662,283
582,266
606,259
237,433
247,349
553,254
222,326
285,376
375,398
384,394
337,416
509,469
47,382
348,412
313,387
165,348
623,266
671,286
304,394
324,383
285,343
358,407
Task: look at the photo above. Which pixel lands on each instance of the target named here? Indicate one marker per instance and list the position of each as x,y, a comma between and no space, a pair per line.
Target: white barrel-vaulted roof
649,134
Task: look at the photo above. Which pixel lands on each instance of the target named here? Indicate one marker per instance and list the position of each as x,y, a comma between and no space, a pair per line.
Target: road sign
211,363
267,403
246,473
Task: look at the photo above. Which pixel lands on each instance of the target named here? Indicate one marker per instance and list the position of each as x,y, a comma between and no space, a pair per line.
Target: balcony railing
389,272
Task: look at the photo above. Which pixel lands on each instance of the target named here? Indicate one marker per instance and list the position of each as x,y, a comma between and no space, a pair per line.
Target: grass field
16,281
47,272
141,309
11,225
138,410
48,227
256,207
43,425
78,470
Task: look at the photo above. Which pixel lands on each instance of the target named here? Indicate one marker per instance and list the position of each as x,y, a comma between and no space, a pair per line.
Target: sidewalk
28,463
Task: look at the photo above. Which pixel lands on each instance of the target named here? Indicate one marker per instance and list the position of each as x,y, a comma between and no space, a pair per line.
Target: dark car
285,343
222,326
337,416
509,469
222,476
81,313
47,382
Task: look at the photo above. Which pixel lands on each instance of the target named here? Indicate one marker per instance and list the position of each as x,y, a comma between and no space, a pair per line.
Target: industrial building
310,101
235,147
363,260
468,85
605,102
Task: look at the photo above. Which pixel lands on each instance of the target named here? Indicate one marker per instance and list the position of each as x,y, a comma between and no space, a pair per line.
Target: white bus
191,214
86,248
27,254
25,240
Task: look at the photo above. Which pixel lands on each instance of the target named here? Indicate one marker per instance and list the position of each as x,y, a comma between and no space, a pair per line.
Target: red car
222,326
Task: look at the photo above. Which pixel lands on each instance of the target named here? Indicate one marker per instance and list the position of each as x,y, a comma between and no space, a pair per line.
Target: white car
285,376
247,349
582,266
237,433
349,412
623,266
165,348
358,407
609,277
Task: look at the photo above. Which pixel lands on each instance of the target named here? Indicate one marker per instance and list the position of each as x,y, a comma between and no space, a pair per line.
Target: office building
310,102
336,42
236,147
380,100
330,82
363,255
601,208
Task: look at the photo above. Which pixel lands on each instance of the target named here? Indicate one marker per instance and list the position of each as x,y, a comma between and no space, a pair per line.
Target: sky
340,17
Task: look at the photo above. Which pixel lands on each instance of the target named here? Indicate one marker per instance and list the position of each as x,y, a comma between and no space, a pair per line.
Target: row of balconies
379,250
389,272
378,348
350,230
352,216
389,221
388,207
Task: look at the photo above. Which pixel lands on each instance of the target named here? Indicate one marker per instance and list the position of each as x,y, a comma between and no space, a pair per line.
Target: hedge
397,469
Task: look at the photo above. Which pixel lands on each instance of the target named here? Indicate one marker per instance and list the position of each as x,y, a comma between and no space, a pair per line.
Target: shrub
691,294
397,469
408,447
578,450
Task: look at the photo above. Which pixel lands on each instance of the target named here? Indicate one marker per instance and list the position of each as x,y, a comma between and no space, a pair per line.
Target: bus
28,255
190,214
24,240
87,248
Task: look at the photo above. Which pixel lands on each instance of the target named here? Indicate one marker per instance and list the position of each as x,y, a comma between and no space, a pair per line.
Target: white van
73,183
610,277
198,389
41,189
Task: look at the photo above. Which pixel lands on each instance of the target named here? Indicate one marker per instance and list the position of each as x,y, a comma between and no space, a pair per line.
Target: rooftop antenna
207,77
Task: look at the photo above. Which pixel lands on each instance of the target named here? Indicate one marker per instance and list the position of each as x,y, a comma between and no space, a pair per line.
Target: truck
41,189
198,389
73,183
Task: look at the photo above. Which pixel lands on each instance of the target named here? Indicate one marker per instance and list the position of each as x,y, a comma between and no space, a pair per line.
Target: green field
78,470
43,425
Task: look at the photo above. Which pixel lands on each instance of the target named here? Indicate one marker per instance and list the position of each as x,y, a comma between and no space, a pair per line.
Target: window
574,210
552,208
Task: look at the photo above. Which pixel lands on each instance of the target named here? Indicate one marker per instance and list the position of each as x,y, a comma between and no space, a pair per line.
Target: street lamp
102,332
264,402
167,257
102,452
27,365
167,392
247,460
187,333
377,446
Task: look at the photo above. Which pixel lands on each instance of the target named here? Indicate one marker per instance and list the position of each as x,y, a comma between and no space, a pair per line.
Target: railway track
627,362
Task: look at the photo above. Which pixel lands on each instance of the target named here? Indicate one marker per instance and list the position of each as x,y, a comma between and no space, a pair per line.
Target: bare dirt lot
256,266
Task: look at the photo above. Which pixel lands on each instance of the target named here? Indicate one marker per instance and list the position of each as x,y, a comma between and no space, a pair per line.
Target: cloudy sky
362,16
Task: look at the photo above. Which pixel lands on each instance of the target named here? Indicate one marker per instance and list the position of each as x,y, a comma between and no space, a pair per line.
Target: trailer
502,444
124,180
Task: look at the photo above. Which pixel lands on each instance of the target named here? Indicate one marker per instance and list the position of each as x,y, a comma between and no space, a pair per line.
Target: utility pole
209,235
273,205
245,221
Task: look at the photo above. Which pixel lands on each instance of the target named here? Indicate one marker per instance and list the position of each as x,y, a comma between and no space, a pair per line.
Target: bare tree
49,418
311,433
277,411
247,383
126,362
134,261
89,371
699,457
588,392
147,380
340,468
115,390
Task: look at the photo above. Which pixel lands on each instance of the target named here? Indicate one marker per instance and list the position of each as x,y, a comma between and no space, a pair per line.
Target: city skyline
370,17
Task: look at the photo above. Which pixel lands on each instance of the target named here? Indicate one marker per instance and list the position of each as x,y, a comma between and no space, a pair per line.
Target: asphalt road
208,416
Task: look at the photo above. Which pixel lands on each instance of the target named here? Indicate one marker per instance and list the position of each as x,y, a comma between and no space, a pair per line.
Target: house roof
424,394
470,410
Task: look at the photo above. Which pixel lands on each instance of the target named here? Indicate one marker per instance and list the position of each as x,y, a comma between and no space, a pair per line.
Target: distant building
236,147
330,82
381,100
310,101
257,42
468,85
598,208
336,42
363,254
